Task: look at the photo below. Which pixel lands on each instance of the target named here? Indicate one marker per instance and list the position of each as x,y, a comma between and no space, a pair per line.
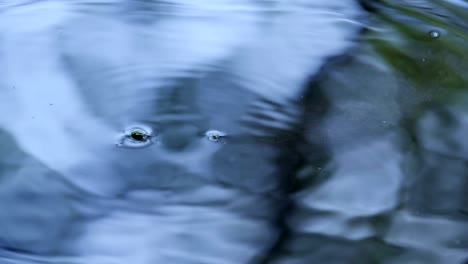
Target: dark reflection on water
233,131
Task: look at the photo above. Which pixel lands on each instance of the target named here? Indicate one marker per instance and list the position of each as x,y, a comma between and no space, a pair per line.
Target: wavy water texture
394,187
108,152
233,131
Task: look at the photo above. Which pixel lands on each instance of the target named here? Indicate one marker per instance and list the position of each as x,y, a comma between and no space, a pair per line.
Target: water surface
233,131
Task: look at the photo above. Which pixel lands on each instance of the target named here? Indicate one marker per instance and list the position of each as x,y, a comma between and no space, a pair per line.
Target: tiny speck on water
434,34
135,138
214,135
138,136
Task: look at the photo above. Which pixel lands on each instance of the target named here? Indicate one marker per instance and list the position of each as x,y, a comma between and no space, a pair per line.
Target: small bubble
434,34
214,135
138,135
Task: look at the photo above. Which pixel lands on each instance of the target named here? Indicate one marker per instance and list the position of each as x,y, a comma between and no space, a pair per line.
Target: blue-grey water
233,131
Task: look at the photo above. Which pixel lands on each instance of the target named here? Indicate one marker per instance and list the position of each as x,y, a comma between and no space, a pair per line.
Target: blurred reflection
394,188
156,131
233,131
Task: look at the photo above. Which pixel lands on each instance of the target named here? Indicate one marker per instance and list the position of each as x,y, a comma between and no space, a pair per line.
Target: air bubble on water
434,34
214,135
139,135
136,137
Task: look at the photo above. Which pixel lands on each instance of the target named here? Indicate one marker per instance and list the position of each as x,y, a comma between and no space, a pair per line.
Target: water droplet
214,135
434,34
